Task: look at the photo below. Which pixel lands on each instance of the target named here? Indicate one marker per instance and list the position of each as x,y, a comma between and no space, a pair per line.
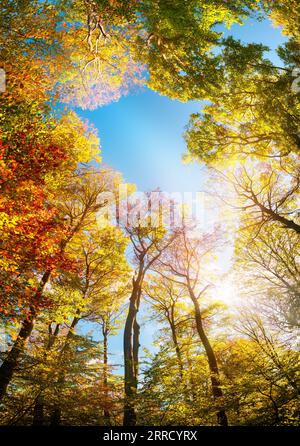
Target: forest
118,308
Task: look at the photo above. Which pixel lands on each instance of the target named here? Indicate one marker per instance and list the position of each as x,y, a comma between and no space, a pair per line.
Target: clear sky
141,136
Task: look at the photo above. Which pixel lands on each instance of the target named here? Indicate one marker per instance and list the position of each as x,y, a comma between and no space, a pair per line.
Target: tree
78,204
166,299
280,12
270,261
110,319
173,40
182,263
102,268
65,267
255,112
148,243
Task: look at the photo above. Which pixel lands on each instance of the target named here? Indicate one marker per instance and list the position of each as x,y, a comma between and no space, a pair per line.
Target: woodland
64,273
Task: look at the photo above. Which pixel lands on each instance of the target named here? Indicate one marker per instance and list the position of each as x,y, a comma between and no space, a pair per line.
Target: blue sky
141,136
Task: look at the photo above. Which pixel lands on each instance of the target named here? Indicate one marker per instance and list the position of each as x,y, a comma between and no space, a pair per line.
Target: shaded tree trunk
10,363
212,361
55,419
38,412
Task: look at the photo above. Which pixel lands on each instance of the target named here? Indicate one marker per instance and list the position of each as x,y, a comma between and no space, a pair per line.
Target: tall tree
79,209
183,263
148,243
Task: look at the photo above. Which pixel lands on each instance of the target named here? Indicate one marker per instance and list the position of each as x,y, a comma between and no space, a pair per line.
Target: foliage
71,278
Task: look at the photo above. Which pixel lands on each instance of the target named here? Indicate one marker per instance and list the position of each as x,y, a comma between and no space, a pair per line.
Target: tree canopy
81,263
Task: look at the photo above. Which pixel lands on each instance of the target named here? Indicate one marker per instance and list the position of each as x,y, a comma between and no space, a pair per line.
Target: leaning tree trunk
212,361
131,346
10,363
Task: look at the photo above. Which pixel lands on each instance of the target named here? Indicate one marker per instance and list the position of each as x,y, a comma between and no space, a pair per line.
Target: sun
227,292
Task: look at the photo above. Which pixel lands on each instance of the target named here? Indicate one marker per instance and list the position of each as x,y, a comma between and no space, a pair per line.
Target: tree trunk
176,343
55,419
38,412
290,224
106,413
10,363
131,346
135,347
212,361
52,336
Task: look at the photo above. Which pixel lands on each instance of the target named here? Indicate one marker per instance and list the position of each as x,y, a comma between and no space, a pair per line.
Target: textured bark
129,375
212,361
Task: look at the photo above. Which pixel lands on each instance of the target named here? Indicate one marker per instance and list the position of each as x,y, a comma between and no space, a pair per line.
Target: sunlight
227,292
